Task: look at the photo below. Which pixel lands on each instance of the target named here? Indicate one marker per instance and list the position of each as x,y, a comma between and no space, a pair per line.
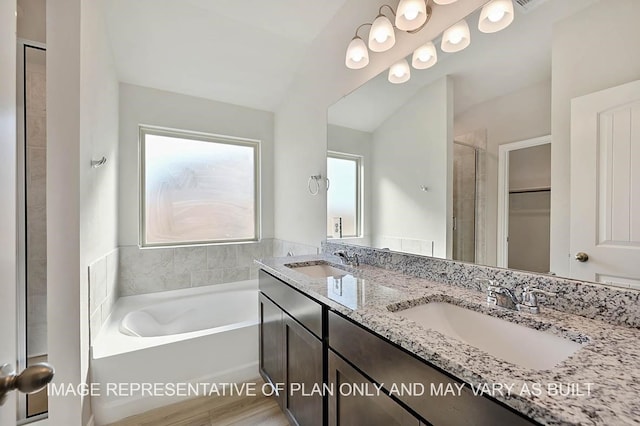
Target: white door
8,162
605,186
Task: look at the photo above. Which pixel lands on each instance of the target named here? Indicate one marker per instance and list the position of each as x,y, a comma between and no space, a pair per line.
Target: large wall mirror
456,162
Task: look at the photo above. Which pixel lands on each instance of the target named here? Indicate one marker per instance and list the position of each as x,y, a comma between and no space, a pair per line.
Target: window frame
359,159
144,130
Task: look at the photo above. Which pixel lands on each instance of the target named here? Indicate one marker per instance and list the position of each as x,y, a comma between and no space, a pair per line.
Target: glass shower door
464,202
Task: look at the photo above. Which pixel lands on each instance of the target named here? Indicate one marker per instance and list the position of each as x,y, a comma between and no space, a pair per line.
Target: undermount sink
510,342
318,270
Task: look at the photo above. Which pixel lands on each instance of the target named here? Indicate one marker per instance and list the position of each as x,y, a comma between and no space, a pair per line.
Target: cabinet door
303,371
355,400
271,343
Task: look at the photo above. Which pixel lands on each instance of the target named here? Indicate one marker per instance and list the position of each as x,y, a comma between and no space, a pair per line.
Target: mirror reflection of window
343,197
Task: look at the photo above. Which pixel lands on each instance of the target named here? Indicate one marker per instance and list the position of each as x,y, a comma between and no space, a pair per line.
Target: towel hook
98,163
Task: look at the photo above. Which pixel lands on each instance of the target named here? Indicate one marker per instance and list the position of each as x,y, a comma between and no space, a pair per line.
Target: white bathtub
191,336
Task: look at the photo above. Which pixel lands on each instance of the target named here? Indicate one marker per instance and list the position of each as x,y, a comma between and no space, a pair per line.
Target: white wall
141,105
301,119
82,107
356,142
592,50
520,115
411,148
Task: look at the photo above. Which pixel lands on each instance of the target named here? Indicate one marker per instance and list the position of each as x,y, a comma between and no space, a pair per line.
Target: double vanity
349,343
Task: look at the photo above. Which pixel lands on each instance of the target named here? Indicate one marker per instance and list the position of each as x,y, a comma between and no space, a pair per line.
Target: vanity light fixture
456,37
443,2
412,15
382,36
495,16
424,56
399,72
357,53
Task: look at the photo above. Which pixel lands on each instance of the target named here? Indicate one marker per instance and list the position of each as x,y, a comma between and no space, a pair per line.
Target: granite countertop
600,383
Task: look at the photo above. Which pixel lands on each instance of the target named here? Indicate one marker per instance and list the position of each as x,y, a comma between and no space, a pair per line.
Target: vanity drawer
387,364
306,311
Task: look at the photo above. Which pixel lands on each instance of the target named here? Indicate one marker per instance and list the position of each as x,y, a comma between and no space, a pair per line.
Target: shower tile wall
36,168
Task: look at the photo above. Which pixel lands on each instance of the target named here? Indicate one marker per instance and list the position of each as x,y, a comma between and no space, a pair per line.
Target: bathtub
204,335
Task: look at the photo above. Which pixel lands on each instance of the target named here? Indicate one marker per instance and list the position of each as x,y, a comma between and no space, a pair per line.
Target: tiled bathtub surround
613,305
282,248
152,270
103,289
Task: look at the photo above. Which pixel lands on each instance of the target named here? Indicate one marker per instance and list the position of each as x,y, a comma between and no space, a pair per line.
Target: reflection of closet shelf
526,190
530,212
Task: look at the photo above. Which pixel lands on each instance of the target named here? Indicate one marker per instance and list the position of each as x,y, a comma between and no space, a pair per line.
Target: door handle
582,256
32,379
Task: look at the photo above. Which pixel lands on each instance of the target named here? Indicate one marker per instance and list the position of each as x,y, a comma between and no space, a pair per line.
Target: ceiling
240,52
494,65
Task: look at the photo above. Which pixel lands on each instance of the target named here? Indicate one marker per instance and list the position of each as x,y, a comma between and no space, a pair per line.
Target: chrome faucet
505,298
352,260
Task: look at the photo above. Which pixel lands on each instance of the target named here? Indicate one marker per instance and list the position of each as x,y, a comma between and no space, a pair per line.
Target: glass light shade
456,37
357,54
495,16
399,72
424,56
411,14
382,37
444,1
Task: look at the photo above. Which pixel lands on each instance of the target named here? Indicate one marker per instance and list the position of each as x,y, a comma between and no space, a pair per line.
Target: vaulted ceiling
241,52
248,52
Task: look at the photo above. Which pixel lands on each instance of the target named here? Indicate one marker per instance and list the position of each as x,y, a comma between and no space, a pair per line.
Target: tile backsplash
610,304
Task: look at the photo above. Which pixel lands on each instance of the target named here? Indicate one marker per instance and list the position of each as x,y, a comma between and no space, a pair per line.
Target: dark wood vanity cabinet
304,344
291,350
355,400
387,364
271,347
303,370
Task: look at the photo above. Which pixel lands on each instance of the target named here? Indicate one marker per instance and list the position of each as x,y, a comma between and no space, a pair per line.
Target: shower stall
466,158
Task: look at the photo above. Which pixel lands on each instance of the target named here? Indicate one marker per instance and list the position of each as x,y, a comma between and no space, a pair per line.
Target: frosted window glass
198,191
342,196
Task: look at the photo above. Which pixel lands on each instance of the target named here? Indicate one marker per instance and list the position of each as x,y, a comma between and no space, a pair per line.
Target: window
343,197
198,188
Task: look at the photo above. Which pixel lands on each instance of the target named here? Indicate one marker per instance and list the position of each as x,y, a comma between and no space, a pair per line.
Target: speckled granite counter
600,384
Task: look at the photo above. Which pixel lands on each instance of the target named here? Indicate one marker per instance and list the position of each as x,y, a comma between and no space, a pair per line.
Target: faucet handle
533,291
529,298
490,284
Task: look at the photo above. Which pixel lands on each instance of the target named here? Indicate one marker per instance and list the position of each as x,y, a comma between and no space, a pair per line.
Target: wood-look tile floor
213,411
